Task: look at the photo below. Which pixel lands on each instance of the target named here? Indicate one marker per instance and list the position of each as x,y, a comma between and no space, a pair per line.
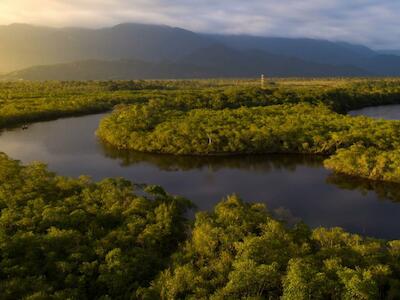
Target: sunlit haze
374,23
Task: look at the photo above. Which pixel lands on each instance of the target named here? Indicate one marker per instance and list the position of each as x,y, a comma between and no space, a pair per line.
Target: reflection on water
292,186
262,163
255,163
383,190
387,112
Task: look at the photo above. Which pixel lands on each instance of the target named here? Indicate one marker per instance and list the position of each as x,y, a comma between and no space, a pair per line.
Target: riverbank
69,238
255,121
25,102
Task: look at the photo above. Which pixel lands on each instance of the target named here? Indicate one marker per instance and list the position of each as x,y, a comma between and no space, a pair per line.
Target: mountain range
140,51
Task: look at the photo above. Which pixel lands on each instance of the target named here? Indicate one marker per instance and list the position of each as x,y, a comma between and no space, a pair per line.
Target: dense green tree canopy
369,162
360,146
23,102
288,128
240,252
64,238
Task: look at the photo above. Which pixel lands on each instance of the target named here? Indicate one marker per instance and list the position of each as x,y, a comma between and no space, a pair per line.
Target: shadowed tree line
24,102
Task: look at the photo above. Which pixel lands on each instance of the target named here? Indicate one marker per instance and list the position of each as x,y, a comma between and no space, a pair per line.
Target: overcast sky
375,23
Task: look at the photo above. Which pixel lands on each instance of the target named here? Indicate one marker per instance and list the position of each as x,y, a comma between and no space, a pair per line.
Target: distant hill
130,51
390,52
228,62
319,51
214,61
388,65
23,46
107,70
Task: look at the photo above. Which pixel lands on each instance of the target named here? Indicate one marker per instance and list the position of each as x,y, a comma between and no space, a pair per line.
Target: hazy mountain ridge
23,46
390,52
215,61
131,51
320,51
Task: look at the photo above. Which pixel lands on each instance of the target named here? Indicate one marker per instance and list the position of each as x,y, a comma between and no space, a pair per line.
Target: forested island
73,238
274,120
227,117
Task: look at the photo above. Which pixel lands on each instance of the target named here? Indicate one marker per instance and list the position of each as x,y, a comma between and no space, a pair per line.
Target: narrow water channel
294,187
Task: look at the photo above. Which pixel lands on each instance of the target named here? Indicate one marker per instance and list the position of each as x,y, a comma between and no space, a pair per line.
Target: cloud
371,22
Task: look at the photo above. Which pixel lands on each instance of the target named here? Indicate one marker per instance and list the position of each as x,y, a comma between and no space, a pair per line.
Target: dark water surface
388,112
293,186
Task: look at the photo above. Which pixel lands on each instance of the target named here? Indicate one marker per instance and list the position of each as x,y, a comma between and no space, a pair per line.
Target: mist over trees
140,51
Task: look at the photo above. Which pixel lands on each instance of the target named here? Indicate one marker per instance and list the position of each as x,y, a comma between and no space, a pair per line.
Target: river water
292,187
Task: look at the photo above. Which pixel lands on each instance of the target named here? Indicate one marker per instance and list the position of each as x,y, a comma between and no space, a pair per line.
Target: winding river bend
293,187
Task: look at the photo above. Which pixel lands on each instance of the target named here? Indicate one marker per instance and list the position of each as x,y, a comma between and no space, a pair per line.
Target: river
292,187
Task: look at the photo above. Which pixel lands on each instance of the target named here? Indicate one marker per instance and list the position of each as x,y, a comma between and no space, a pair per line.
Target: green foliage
288,118
71,238
22,102
240,252
369,162
63,238
300,128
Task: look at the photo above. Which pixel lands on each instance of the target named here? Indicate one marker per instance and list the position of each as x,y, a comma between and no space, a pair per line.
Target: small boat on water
24,127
